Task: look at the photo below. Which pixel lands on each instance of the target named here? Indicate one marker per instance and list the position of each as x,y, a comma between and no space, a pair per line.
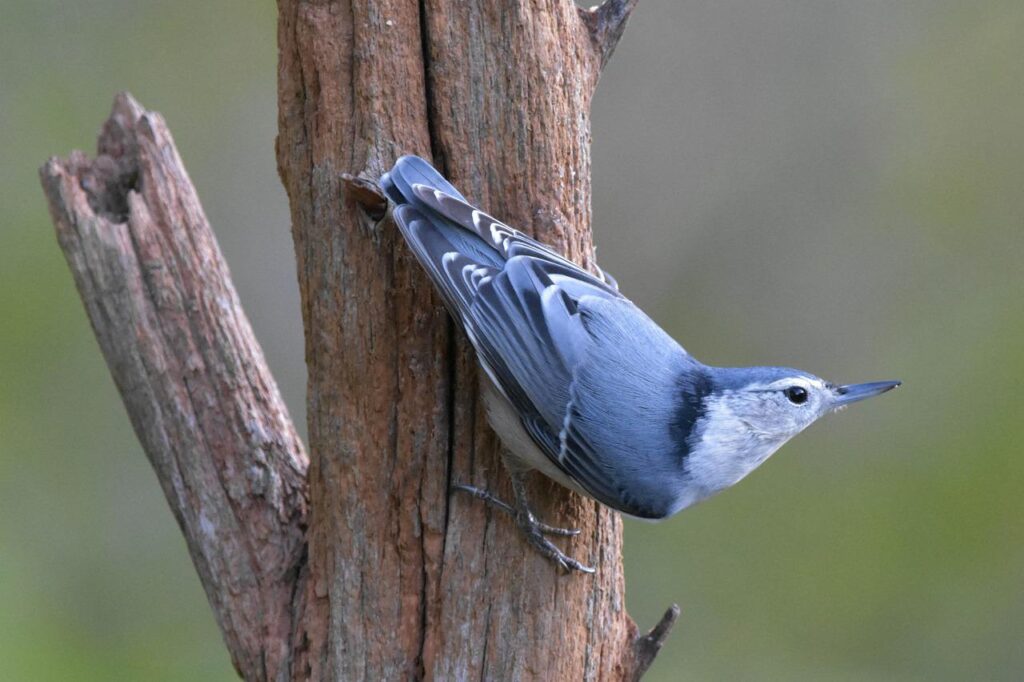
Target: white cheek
808,416
728,450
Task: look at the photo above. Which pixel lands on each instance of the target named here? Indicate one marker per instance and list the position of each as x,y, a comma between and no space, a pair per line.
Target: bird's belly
520,451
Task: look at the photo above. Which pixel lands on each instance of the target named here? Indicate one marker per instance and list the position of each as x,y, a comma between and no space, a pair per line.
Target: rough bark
191,374
362,567
498,93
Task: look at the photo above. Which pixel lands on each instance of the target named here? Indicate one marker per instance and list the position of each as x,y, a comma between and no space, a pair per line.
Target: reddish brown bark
386,576
498,93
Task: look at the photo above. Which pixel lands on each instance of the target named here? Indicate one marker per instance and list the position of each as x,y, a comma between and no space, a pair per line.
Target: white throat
726,448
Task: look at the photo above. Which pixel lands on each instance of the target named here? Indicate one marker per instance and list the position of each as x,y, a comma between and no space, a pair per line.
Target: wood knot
367,194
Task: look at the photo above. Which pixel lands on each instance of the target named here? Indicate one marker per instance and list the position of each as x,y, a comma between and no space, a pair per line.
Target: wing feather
563,345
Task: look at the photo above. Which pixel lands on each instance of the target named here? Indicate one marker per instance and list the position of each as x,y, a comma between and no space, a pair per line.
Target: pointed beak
852,393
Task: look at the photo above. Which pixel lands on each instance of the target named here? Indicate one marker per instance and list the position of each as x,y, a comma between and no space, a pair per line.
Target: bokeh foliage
829,185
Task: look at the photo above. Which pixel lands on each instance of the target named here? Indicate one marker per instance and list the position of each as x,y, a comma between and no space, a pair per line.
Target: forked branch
192,376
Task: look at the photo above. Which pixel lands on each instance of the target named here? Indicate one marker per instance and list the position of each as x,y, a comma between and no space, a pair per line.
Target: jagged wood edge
192,376
606,23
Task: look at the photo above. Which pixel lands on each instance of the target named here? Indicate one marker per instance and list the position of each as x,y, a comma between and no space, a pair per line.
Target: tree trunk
384,575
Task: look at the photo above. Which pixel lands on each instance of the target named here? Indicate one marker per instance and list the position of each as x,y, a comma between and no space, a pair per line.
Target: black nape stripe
694,385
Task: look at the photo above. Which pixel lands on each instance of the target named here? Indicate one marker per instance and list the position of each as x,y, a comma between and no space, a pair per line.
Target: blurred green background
832,185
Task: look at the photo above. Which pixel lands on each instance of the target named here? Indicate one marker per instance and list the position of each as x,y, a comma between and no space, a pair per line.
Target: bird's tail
429,212
454,254
410,170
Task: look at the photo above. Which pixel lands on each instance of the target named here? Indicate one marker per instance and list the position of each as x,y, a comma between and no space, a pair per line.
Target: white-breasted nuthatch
580,384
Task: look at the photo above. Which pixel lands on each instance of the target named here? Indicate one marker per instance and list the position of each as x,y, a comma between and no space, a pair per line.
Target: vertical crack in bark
421,654
450,387
435,150
295,599
421,669
451,350
487,637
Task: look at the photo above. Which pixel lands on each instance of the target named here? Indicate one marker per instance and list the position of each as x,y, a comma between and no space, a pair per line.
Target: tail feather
412,170
483,238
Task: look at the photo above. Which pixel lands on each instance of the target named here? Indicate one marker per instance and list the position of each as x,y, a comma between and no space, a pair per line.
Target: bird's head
750,412
778,402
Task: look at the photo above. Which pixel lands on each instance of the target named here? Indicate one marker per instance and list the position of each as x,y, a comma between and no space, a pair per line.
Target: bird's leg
490,500
533,529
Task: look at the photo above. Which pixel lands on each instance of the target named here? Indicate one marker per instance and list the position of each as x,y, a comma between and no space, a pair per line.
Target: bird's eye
796,394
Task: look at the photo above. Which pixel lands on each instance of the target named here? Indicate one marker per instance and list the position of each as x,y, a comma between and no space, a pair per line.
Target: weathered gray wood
192,376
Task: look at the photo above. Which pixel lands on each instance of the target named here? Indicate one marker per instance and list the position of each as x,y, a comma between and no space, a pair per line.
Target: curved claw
543,545
533,529
489,498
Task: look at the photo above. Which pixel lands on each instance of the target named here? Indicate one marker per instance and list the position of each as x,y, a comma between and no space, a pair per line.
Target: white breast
521,453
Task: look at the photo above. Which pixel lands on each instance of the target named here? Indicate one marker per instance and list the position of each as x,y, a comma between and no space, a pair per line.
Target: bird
580,384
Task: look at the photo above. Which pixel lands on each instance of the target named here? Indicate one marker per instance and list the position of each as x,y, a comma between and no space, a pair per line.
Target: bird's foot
533,529
489,498
534,532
